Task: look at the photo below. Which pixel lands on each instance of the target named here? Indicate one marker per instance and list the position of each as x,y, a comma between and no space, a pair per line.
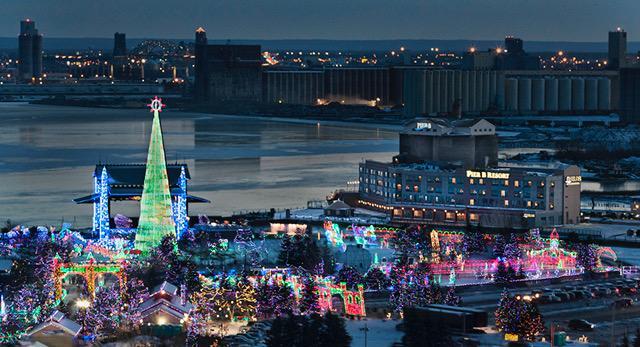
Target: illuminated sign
423,125
488,174
529,215
573,180
510,337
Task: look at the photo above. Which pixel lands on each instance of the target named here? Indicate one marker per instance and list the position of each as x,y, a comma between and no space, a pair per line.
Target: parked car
622,303
581,325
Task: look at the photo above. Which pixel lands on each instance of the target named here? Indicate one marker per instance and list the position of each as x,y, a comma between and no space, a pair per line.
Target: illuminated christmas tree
156,220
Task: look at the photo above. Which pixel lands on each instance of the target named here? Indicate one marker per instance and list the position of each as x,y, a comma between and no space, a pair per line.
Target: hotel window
506,183
506,203
516,184
420,178
473,217
529,203
472,202
529,183
503,193
399,186
436,179
551,206
471,181
397,212
453,180
480,181
418,214
449,215
416,189
553,184
541,183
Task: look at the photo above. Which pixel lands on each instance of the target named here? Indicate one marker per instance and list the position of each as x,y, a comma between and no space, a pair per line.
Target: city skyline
357,20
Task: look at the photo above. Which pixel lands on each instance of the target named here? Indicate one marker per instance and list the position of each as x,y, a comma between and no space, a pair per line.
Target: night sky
544,20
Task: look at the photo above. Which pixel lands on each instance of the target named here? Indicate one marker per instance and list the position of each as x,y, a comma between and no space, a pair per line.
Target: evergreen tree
375,279
518,317
335,333
504,275
452,298
300,251
498,246
285,249
412,241
512,249
586,257
472,242
309,301
328,262
350,276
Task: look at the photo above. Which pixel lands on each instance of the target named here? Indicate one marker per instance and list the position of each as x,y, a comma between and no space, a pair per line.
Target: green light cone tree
156,219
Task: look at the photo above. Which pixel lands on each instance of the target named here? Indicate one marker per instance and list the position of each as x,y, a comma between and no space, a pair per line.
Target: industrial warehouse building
430,92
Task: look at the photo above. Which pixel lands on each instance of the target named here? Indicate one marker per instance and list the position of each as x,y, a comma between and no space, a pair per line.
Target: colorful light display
89,271
103,206
156,220
334,235
330,295
180,206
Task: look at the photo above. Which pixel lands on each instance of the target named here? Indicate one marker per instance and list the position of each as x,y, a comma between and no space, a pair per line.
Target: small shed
56,331
339,208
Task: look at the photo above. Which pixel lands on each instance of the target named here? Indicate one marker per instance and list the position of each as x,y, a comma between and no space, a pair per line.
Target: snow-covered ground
381,333
628,255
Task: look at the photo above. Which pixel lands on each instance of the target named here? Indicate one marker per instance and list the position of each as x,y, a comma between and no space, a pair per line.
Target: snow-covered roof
167,288
58,320
339,205
165,298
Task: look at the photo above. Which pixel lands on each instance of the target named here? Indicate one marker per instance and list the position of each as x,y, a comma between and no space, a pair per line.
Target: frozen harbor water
47,155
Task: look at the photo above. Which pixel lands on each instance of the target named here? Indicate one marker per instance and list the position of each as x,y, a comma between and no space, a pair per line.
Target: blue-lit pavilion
125,182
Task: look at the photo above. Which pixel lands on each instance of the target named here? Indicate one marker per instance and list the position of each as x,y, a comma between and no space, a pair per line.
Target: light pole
365,329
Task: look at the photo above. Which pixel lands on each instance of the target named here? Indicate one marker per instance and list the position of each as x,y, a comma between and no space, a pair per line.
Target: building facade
450,180
501,197
29,51
630,94
304,87
617,53
471,143
436,91
227,72
119,45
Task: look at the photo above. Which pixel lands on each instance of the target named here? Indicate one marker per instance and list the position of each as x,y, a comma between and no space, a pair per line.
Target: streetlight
365,329
83,303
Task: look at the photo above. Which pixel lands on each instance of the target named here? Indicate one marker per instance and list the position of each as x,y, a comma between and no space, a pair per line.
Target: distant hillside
11,43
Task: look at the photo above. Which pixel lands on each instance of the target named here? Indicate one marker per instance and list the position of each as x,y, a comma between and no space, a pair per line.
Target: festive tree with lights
586,257
519,317
375,279
512,249
350,276
156,219
452,298
309,300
